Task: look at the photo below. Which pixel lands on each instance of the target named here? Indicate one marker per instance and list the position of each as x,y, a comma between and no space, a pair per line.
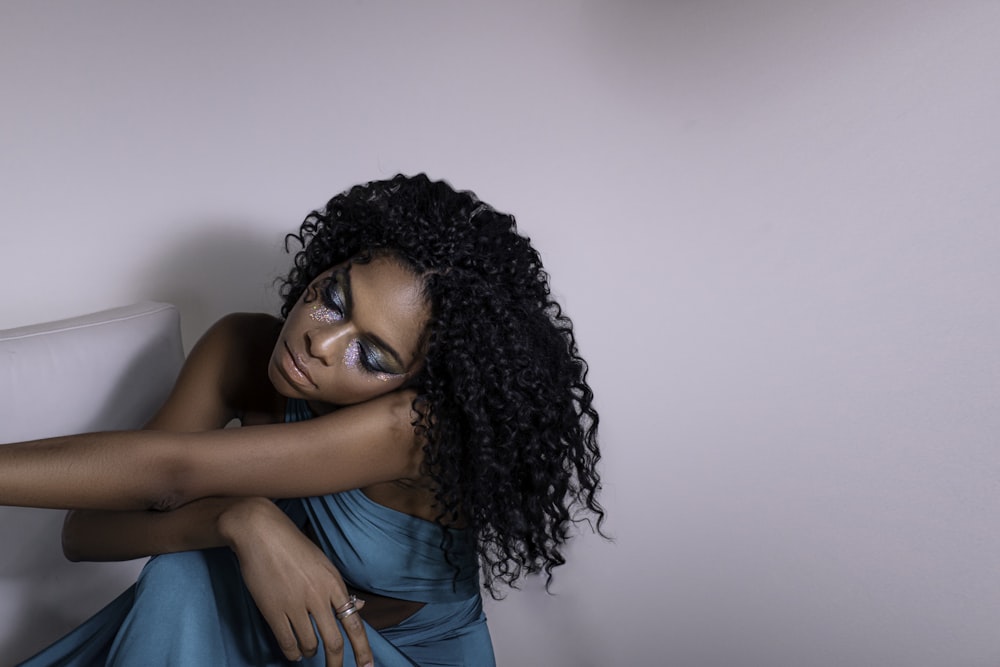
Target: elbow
172,481
173,491
73,556
72,545
167,501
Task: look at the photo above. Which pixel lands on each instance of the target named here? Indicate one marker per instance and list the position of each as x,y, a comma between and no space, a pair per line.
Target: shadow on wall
228,268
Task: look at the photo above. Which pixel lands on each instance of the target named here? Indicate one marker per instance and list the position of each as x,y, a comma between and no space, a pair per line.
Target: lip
295,369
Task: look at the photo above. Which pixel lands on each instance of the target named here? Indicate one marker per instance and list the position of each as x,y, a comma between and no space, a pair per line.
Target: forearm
100,535
351,448
121,470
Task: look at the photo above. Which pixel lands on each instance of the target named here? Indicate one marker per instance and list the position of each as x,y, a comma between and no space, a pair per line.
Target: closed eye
372,360
333,295
374,354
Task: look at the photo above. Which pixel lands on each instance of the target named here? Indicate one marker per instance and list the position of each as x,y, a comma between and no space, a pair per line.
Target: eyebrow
343,278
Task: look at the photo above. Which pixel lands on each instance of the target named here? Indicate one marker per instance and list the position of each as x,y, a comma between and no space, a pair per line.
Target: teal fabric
192,609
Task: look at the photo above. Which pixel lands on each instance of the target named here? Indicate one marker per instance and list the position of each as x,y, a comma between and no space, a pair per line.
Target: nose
327,342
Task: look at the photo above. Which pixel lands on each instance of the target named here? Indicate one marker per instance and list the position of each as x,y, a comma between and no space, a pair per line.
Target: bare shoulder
242,329
224,375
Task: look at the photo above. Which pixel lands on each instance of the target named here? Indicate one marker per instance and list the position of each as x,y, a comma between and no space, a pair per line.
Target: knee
167,566
177,579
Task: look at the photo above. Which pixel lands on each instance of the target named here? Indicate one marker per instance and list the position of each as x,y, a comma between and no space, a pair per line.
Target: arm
98,535
263,538
265,542
351,448
162,469
205,397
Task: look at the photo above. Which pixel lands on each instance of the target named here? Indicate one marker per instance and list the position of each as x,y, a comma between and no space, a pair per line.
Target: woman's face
356,333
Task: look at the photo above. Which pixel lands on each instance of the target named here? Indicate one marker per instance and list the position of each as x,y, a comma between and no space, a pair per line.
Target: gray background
773,222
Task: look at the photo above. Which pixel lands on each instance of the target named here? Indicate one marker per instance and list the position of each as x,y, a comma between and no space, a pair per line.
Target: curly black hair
506,412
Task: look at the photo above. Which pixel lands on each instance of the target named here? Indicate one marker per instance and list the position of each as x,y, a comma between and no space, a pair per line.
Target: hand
291,580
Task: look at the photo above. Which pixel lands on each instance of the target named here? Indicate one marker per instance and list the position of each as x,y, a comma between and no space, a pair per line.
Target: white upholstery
105,371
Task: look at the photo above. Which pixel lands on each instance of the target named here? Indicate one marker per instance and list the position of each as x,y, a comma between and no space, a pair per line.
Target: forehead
387,301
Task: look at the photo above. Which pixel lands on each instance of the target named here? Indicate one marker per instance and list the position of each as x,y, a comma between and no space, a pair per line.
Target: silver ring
351,601
347,612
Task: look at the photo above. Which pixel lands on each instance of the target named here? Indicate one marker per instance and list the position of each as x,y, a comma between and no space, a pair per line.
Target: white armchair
105,371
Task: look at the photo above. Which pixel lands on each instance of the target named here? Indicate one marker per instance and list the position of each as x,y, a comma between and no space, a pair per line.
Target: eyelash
356,353
331,299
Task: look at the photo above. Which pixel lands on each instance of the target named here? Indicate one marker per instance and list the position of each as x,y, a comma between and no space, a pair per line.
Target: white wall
774,223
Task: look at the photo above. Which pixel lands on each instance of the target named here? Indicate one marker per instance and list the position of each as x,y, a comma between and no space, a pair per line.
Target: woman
421,403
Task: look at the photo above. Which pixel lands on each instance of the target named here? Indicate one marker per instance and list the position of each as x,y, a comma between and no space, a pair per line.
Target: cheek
363,389
376,384
352,355
320,313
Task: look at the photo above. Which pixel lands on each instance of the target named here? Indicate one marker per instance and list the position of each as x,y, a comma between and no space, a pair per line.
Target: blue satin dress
191,609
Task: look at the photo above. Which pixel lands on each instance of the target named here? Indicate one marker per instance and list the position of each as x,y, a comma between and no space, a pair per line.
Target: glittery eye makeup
352,359
352,355
334,306
324,315
334,302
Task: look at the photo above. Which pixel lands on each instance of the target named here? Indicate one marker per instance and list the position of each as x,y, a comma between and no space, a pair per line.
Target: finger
284,635
356,634
303,627
333,640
